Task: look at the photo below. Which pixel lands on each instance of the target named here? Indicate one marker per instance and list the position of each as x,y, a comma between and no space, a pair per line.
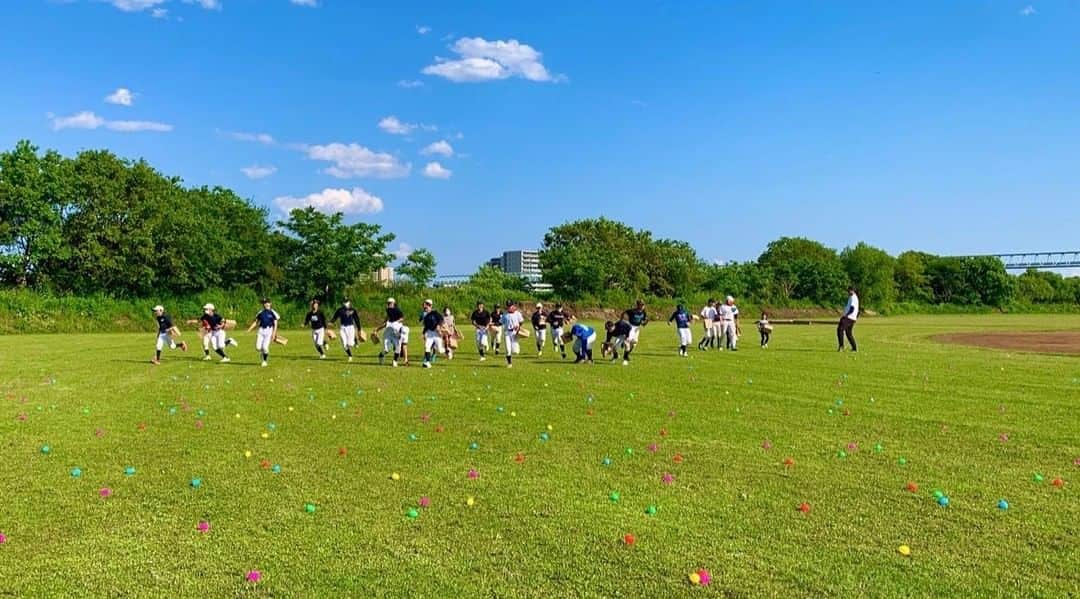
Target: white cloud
1027,11
159,13
89,120
403,250
330,200
434,170
136,126
483,60
423,29
135,5
441,148
311,3
392,125
207,4
121,96
258,172
82,120
354,160
410,83
263,138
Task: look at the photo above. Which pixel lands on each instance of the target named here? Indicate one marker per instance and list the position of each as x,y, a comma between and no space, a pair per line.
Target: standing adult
847,321
728,318
481,319
682,320
540,325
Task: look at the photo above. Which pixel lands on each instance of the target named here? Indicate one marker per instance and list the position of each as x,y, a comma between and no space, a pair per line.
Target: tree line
593,257
99,224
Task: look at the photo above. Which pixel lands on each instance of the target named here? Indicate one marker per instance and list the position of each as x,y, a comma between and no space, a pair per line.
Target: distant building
523,263
384,276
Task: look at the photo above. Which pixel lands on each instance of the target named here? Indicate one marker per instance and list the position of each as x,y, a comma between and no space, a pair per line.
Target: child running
765,329
557,319
215,326
349,319
317,320
682,320
267,321
167,331
495,331
432,322
481,320
511,321
540,324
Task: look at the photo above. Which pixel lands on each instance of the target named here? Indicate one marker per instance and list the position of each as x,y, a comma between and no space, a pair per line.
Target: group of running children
498,330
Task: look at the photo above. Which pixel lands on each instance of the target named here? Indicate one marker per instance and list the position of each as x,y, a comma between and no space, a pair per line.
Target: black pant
845,328
764,337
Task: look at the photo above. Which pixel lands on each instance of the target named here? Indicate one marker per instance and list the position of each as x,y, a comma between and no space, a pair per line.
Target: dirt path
1047,342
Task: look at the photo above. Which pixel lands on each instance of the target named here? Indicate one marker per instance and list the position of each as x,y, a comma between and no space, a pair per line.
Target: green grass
546,526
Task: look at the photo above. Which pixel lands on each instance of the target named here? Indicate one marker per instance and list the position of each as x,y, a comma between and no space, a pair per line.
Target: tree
328,254
418,267
987,281
33,195
873,272
912,281
491,282
592,257
1035,287
804,269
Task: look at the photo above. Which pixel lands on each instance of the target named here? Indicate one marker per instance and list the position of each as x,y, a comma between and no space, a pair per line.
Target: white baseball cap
390,300
539,304
159,308
730,299
208,307
429,302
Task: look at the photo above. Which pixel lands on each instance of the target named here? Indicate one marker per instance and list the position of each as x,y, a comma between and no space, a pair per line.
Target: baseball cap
539,304
208,307
159,308
266,300
390,300
428,302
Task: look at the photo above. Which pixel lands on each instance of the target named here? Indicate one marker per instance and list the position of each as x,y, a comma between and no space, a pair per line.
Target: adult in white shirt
727,313
847,321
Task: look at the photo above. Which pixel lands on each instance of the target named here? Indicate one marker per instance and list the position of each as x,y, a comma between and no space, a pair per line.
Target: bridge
1026,260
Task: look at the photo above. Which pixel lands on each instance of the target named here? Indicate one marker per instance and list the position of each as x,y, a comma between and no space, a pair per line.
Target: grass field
976,424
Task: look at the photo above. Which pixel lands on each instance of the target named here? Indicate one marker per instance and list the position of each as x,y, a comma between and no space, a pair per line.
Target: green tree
986,281
328,254
804,269
1035,287
912,280
873,272
418,267
34,192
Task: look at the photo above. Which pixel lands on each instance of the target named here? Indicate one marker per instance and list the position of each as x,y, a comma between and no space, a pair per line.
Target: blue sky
949,127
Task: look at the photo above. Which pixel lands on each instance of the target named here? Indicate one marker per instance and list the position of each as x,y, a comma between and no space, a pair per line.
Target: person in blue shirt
166,333
432,321
583,337
267,321
682,320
